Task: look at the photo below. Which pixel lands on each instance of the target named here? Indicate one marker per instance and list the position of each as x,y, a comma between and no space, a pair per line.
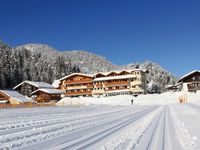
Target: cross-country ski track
103,127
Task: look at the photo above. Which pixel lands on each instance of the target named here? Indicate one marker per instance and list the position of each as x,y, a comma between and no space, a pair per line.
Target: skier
131,101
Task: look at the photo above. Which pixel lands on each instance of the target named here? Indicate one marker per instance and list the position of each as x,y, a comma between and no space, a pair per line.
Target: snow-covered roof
49,91
3,101
116,72
188,74
120,71
115,77
103,73
36,84
16,96
79,74
56,83
169,86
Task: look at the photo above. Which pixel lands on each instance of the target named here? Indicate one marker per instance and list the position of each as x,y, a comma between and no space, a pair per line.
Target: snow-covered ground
153,122
125,100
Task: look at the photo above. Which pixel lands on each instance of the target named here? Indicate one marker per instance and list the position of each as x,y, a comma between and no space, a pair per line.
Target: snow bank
112,100
125,100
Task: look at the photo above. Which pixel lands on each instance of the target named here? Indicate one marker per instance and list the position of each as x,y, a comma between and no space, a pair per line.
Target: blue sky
123,31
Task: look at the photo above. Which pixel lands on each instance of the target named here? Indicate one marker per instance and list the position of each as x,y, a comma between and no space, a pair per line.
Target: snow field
156,121
23,136
125,100
100,133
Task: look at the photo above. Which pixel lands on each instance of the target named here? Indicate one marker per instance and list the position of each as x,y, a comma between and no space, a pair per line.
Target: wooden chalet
13,97
104,83
77,84
112,84
27,87
190,82
120,82
47,95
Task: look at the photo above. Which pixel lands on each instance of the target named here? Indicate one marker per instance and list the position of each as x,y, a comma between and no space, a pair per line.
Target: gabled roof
115,77
36,84
78,74
127,71
100,73
115,72
57,82
120,71
187,75
49,91
16,96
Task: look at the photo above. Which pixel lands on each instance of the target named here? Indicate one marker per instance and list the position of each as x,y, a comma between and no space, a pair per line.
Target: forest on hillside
40,62
19,65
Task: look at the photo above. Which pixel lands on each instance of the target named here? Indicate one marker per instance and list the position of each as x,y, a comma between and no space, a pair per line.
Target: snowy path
161,133
101,127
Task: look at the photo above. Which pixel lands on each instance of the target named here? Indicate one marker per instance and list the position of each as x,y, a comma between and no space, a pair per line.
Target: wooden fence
26,105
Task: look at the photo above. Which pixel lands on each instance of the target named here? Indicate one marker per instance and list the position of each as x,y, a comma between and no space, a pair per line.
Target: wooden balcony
79,87
3,98
99,85
78,93
117,83
90,86
77,81
193,88
117,89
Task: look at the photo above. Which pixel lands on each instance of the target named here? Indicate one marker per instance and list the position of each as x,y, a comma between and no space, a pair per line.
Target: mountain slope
86,61
157,77
89,62
19,64
40,62
45,50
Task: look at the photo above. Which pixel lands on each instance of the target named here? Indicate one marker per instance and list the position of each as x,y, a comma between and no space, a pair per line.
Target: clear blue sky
124,31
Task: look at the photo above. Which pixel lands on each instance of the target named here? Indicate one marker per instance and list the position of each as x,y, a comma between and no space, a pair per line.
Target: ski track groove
103,124
107,132
85,131
49,123
154,130
126,112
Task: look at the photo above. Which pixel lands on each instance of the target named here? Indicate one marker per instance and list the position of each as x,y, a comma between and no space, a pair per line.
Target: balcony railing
90,86
3,98
194,88
77,81
98,85
79,87
117,89
116,83
78,93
